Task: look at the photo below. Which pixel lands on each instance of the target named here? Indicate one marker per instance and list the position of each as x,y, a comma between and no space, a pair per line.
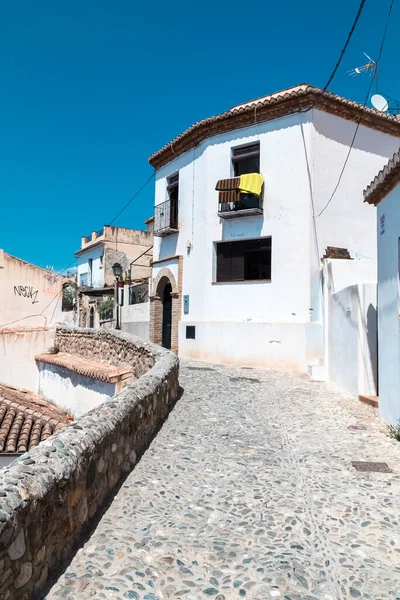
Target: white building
248,290
132,249
384,193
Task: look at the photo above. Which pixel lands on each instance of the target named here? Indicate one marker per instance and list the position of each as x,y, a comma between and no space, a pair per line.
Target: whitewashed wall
29,296
18,348
299,158
71,391
135,318
97,268
388,228
353,343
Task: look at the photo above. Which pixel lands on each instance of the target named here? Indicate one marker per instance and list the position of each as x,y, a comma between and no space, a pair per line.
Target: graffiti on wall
26,291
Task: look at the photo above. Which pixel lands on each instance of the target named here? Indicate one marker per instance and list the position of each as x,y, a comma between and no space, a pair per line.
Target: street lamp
117,271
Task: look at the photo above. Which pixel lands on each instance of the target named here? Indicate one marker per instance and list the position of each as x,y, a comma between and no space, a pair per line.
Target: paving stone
248,491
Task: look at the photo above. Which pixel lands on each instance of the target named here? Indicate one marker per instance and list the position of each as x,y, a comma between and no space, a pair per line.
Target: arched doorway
91,317
165,302
167,316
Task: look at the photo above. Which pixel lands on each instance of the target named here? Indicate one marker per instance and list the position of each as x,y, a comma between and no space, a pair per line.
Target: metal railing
99,232
166,216
242,202
88,238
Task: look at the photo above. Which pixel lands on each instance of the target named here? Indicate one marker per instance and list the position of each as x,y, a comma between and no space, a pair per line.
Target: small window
248,260
101,261
91,317
83,279
90,261
173,195
246,159
190,332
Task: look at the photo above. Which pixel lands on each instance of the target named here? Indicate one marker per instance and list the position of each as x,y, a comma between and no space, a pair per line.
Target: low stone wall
51,493
107,344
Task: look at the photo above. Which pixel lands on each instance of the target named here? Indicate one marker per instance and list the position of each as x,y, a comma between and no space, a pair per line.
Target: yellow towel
251,183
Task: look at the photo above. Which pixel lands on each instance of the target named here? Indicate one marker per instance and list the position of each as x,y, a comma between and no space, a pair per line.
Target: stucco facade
384,193
131,248
103,248
276,323
30,295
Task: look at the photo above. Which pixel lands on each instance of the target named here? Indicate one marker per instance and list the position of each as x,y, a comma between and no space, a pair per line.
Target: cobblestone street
249,492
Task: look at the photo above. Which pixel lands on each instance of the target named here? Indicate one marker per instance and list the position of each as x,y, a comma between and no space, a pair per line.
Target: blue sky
90,89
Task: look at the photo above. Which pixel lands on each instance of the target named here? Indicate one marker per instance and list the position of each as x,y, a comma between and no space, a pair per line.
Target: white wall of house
18,348
388,213
299,158
30,296
135,318
72,391
353,343
97,276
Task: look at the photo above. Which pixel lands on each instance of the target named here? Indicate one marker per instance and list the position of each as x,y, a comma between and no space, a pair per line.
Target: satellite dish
379,102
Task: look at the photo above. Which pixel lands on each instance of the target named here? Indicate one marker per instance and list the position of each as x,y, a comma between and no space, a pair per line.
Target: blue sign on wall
186,305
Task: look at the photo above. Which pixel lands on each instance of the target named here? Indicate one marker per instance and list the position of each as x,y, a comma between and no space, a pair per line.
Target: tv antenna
369,67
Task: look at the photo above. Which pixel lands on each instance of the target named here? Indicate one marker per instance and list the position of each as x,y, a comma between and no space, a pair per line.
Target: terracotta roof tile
21,428
299,98
384,182
95,369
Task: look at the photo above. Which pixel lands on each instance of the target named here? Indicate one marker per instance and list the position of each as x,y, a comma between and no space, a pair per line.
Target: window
248,260
246,159
190,332
90,261
166,213
83,279
101,261
173,193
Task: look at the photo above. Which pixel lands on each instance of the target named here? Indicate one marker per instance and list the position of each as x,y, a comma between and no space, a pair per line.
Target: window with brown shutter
246,159
245,260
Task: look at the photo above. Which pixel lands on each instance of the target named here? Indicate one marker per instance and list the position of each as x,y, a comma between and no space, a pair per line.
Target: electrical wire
34,315
133,197
350,34
74,261
361,113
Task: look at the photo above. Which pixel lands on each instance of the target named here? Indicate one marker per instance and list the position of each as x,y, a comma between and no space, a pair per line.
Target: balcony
233,203
166,218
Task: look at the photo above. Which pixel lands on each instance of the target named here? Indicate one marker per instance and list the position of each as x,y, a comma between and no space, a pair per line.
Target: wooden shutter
223,262
237,261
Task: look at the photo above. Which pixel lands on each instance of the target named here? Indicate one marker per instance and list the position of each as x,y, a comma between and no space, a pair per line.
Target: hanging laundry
251,183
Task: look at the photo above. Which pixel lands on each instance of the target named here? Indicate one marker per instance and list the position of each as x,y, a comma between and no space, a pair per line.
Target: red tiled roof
26,419
88,367
299,98
384,182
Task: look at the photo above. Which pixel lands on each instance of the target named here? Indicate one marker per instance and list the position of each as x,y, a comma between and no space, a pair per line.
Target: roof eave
288,102
386,180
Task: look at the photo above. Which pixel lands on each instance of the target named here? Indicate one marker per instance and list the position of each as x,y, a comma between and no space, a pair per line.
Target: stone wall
50,494
107,345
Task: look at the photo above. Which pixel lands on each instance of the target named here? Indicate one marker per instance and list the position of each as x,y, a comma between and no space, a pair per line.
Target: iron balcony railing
166,217
242,202
232,202
88,238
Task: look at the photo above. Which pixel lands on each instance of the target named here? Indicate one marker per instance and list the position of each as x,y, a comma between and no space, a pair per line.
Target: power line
133,197
74,261
361,113
117,215
350,34
348,154
34,315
